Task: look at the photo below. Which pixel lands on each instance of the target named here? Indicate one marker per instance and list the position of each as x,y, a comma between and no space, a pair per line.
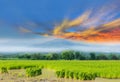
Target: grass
74,69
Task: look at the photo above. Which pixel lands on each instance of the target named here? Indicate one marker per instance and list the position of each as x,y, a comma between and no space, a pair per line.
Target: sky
15,13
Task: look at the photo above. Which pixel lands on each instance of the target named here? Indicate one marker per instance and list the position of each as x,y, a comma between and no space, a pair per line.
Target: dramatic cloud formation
41,26
98,25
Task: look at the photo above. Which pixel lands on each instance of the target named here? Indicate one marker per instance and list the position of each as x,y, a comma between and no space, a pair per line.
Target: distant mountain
61,43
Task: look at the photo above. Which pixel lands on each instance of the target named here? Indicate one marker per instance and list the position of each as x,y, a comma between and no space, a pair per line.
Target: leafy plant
30,72
3,70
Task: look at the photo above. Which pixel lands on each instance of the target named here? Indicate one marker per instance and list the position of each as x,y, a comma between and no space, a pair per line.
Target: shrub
71,74
4,70
14,67
58,73
62,73
67,74
87,76
76,75
29,66
34,71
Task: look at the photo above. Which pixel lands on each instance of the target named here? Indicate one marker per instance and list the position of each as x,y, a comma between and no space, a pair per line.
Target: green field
74,69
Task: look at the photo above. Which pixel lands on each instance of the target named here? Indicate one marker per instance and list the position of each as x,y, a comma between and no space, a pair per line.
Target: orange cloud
96,31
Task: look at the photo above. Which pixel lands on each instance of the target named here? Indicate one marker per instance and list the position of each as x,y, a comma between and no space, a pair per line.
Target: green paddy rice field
69,69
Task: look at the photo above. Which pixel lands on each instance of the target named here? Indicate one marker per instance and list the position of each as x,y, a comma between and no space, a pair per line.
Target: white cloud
24,42
27,49
55,45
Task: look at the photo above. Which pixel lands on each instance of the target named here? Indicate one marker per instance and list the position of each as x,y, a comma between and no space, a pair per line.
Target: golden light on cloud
66,24
93,29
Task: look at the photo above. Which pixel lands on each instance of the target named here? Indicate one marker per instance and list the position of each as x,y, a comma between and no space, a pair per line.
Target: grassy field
74,69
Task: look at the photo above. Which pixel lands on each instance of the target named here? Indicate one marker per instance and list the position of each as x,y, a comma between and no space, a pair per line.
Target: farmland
69,69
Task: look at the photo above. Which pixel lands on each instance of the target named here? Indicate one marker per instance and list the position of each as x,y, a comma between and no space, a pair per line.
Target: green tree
55,56
24,56
67,55
36,56
79,56
102,57
92,56
113,57
49,56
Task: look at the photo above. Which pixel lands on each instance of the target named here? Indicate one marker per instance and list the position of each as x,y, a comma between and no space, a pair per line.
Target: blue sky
17,12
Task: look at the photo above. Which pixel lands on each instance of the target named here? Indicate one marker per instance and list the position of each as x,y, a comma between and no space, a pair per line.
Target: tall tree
92,56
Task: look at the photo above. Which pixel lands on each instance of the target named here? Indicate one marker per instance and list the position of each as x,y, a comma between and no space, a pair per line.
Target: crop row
83,70
77,75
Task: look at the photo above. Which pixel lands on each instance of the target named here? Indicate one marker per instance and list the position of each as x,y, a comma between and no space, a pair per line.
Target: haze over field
56,25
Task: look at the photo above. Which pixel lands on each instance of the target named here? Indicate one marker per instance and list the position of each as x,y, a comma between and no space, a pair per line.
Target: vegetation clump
77,75
33,71
3,70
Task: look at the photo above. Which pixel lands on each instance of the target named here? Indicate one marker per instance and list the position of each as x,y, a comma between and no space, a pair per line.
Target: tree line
64,55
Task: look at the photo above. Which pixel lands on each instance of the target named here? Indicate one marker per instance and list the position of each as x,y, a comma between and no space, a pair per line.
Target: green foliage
102,57
64,55
62,74
14,67
83,70
71,74
113,57
67,55
58,73
67,74
76,75
35,71
3,70
28,66
36,56
92,56
85,76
